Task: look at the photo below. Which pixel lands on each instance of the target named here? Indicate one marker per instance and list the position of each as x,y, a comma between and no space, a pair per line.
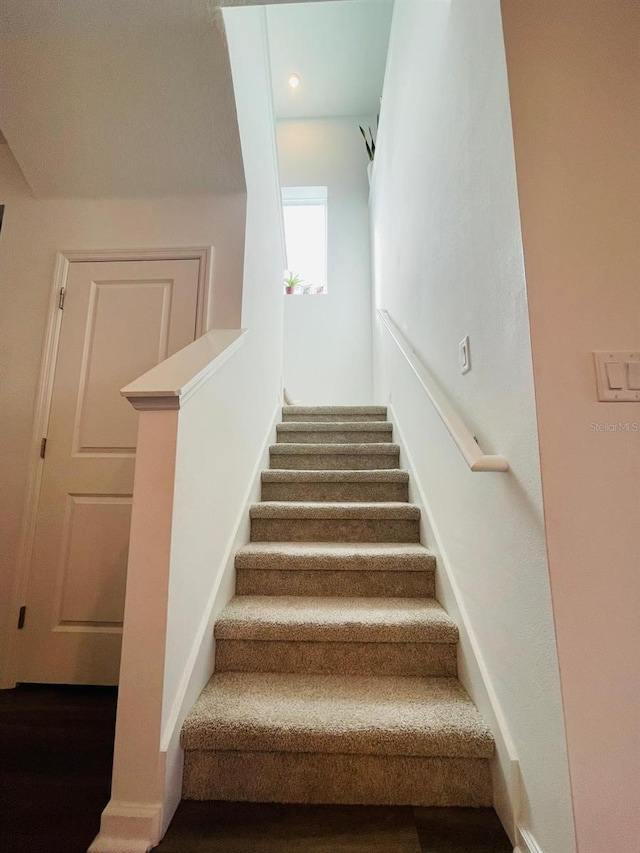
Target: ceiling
104,98
134,98
339,51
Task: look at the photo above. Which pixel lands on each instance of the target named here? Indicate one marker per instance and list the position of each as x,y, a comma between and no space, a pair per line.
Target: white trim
203,254
128,828
64,258
171,383
508,810
304,196
321,284
8,666
458,430
526,842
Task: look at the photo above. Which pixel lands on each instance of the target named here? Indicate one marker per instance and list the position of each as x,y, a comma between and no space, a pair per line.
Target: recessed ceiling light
294,81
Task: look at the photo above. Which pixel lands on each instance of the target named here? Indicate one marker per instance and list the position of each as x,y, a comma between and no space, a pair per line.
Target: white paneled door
120,318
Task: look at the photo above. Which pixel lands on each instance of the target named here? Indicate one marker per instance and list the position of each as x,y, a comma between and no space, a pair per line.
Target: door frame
64,258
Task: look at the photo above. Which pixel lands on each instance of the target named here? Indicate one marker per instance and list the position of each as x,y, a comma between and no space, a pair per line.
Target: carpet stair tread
384,448
345,432
319,556
383,715
379,412
335,426
373,475
340,619
329,510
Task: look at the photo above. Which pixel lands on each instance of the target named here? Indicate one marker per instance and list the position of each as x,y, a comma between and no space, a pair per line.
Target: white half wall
327,337
448,263
33,232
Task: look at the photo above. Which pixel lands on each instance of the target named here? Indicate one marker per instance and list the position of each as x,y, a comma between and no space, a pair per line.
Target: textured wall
448,263
574,81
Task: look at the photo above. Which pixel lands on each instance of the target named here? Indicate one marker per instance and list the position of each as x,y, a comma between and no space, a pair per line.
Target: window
305,230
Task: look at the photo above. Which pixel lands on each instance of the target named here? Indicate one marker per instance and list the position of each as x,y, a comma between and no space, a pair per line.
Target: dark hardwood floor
273,828
56,748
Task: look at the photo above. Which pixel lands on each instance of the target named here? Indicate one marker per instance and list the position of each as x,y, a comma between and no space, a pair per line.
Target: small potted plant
290,281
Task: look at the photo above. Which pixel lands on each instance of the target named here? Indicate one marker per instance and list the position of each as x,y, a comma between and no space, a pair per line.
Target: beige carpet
335,666
340,619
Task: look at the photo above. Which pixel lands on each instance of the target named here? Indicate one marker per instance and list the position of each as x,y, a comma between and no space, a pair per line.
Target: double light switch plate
618,376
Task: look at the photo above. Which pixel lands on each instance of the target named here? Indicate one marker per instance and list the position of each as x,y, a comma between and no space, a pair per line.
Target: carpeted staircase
335,675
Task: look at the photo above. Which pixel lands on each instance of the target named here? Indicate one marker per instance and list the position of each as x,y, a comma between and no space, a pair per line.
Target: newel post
135,810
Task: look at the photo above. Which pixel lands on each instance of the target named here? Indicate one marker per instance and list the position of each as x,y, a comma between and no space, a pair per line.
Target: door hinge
61,299
43,448
21,617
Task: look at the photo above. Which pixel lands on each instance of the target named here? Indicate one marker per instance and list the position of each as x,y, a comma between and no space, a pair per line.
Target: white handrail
458,430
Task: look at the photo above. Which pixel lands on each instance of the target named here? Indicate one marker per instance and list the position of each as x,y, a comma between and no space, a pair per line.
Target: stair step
359,636
328,658
335,569
331,556
355,457
334,413
323,738
370,715
283,521
373,485
331,778
335,666
348,432
328,619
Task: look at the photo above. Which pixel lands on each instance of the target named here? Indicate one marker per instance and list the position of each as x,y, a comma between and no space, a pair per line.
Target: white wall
574,82
33,231
448,263
327,338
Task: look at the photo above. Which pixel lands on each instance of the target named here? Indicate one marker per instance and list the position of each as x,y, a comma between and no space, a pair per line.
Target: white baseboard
527,843
116,844
128,828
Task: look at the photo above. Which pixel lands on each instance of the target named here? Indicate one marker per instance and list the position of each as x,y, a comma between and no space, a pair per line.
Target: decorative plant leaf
371,148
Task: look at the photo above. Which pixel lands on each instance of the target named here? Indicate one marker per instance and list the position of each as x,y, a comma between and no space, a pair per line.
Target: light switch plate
633,375
465,355
616,374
